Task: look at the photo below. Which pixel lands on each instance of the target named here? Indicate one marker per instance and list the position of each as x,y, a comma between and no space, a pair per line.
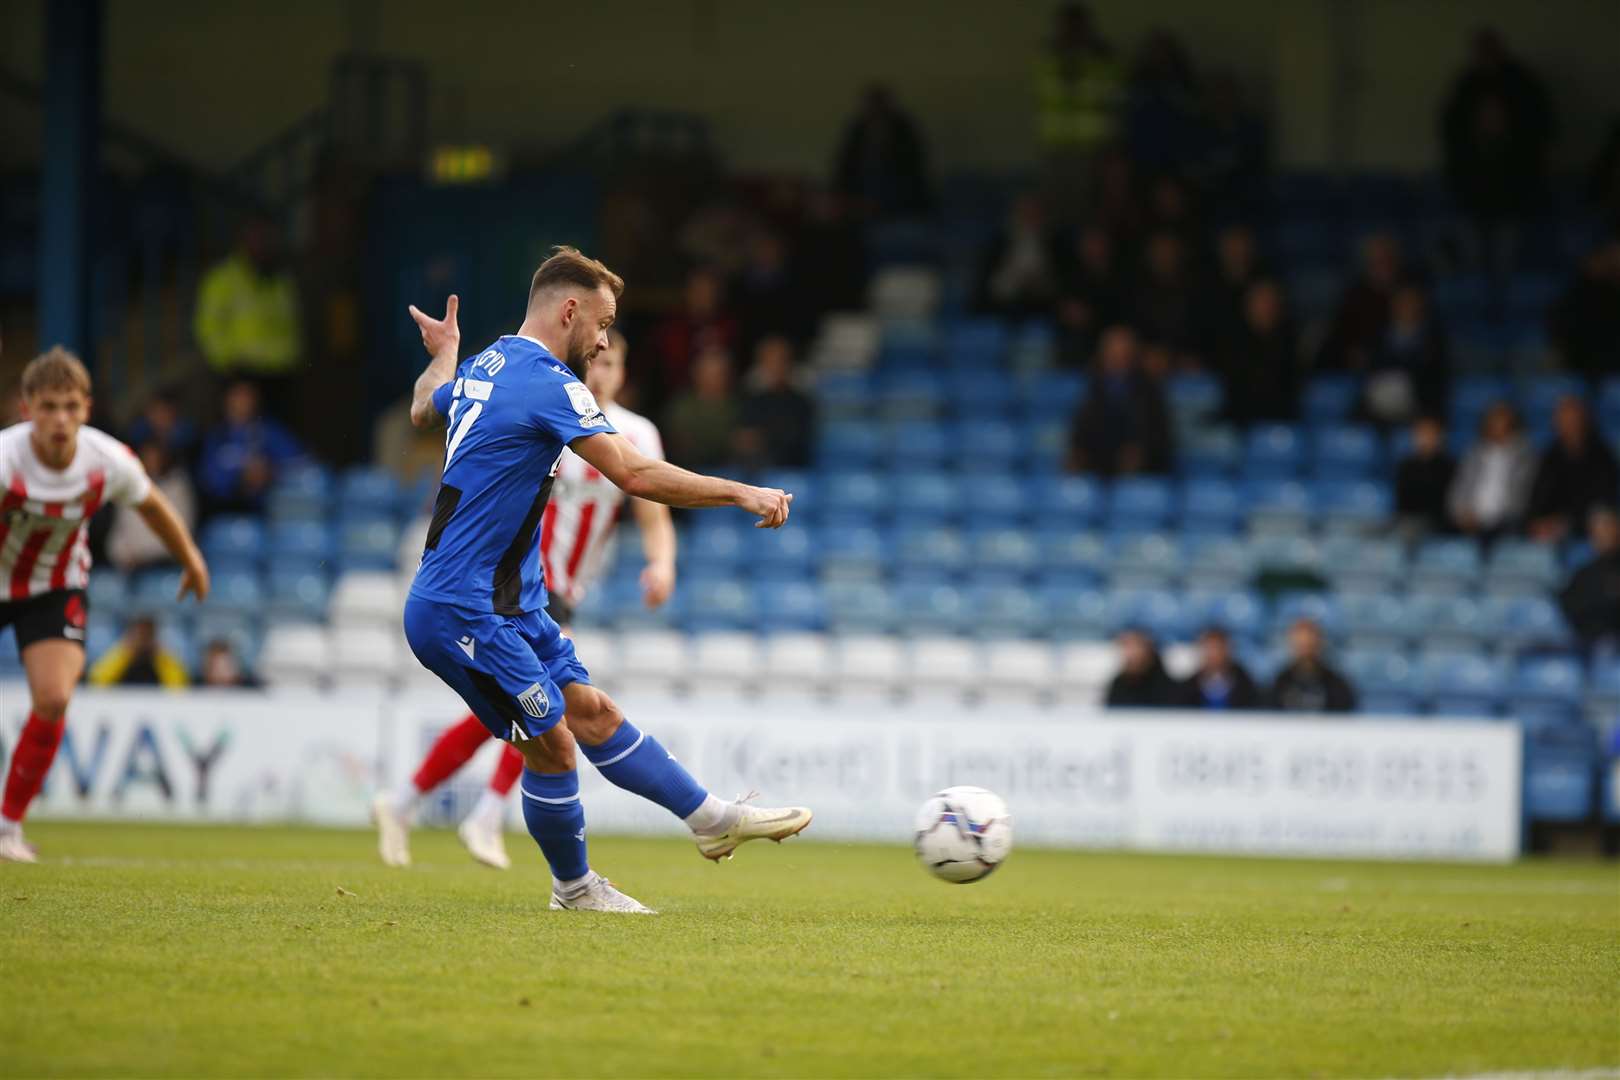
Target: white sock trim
575,886
553,802
616,758
713,816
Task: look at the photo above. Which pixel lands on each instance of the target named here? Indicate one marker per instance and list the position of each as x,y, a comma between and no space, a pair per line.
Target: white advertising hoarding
1168,781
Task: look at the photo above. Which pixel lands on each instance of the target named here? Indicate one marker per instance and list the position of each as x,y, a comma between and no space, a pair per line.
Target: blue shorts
509,669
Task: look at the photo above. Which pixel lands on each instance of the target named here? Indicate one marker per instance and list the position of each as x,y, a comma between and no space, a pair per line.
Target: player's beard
580,353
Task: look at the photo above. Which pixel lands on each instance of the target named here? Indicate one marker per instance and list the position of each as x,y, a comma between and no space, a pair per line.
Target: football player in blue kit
476,613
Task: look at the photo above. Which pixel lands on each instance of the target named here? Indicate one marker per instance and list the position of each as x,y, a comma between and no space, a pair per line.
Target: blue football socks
556,820
637,762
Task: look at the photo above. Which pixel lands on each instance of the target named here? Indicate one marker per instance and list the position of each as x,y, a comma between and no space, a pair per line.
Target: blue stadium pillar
67,183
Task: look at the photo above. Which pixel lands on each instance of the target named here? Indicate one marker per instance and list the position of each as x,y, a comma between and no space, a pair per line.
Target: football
963,833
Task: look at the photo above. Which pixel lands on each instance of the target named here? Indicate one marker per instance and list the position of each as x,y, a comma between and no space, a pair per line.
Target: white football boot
393,832
598,895
754,823
484,842
13,848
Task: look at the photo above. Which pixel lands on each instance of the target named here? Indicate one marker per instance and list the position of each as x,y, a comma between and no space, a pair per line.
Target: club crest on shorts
535,702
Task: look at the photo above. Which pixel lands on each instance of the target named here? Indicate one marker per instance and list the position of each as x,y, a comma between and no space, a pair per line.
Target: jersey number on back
462,419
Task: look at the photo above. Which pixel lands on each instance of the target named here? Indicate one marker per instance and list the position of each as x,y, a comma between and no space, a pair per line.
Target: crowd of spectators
1219,681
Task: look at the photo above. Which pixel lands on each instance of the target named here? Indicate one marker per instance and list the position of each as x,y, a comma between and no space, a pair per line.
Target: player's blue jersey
508,413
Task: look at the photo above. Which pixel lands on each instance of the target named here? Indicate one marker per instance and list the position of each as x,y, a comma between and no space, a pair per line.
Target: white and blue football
963,833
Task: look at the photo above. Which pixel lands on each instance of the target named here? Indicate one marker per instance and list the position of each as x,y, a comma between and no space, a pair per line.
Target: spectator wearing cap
1220,683
1308,684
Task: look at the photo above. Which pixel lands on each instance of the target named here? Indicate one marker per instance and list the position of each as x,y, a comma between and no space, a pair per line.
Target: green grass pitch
154,951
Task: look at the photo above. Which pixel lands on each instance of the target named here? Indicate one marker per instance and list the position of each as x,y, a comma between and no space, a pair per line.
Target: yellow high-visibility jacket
247,322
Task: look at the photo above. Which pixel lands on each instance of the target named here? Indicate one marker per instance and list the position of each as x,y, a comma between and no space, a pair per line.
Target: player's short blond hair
570,266
56,369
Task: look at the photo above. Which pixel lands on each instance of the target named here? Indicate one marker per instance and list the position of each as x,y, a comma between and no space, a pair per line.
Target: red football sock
507,771
36,749
452,750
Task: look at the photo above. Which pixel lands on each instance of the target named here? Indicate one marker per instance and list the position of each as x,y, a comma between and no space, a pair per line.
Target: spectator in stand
139,659
1232,158
776,421
1362,319
1165,304
1162,102
1585,321
1259,366
701,422
1577,473
1089,296
1423,480
222,669
829,256
1591,600
1116,204
1409,372
1496,128
1021,271
248,322
164,422
243,455
1079,91
769,300
1123,426
702,323
131,543
1492,486
1237,267
1308,684
1220,681
882,166
1142,682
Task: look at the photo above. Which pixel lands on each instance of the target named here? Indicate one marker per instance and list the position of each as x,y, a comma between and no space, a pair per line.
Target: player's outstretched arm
658,481
442,340
160,517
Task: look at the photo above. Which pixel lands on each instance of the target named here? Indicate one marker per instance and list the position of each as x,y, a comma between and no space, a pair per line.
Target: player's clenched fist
439,335
770,505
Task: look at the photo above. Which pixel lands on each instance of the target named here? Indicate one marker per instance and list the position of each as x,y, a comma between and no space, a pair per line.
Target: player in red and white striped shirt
576,538
55,472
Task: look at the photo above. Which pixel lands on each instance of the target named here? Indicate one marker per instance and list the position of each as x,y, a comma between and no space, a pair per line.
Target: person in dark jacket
1408,372
1591,600
1259,366
1577,472
1220,681
1308,684
1123,427
1142,682
1423,480
882,164
776,420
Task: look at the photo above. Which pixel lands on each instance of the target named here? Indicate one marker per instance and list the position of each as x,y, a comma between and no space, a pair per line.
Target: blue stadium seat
298,592
1276,447
1447,619
1158,611
802,485
1541,394
1147,559
1276,505
858,494
999,499
308,542
1383,673
932,607
1142,501
845,395
977,392
1471,395
1209,452
302,493
1219,562
786,606
910,396
368,544
1467,684
1345,451
1069,501
1360,504
1194,396
930,549
1559,784
1013,551
976,341
1525,622
928,496
719,604
235,591
1006,611
1287,554
849,445
918,444
1072,556
1521,566
234,539
1210,503
1548,680
108,593
153,592
1377,619
1330,399
854,552
986,445
1438,561
1076,611
783,553
714,545
1364,561
1322,608
368,490
1051,395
